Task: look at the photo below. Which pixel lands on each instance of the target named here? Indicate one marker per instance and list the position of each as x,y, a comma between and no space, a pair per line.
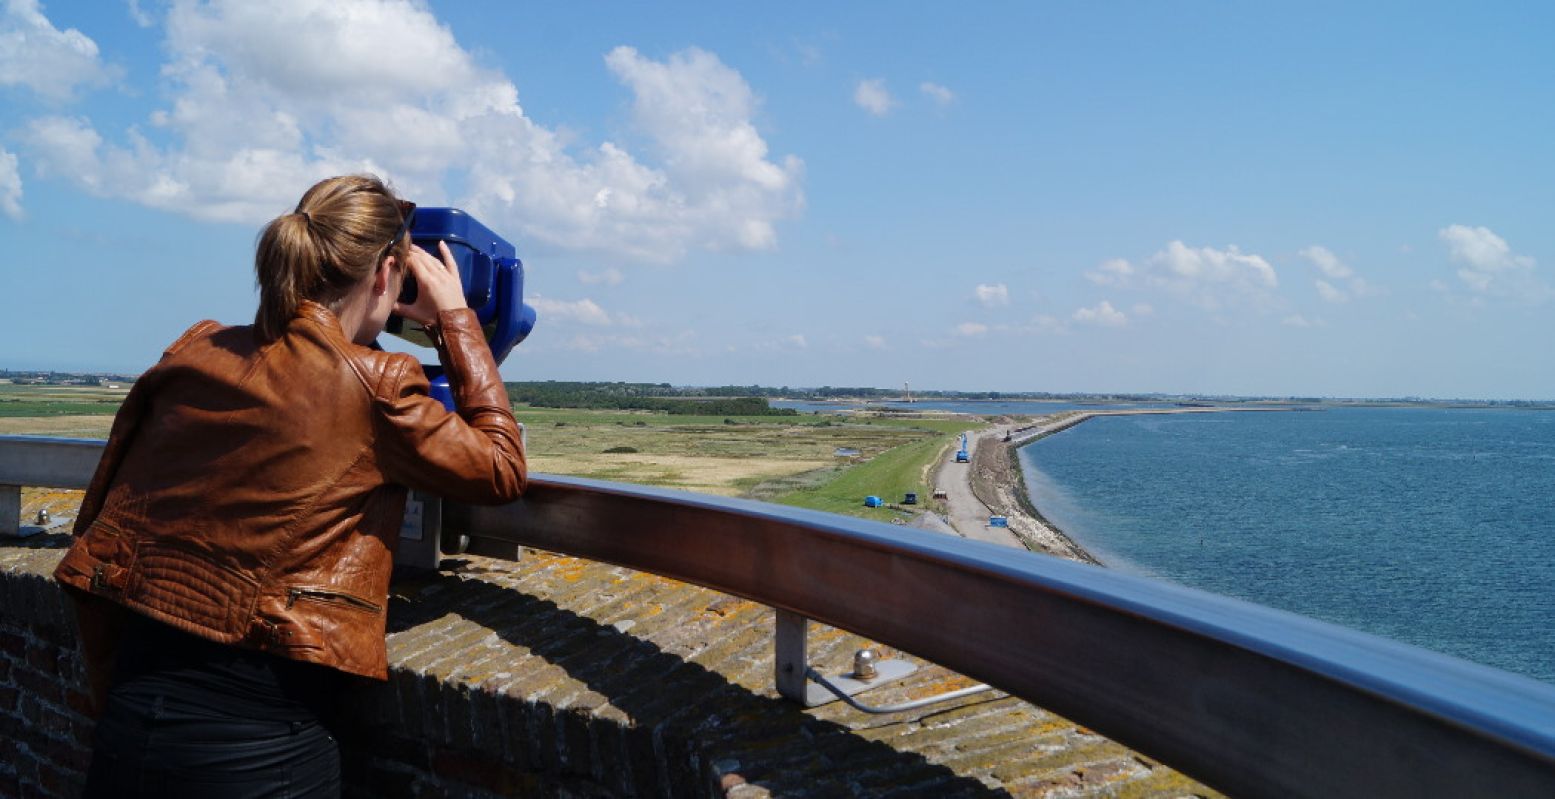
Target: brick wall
415,736
557,677
43,732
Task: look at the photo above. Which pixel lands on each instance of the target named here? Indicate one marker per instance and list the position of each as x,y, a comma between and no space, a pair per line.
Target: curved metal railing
1253,701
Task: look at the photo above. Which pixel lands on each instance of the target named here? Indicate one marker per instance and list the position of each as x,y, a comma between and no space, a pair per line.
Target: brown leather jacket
252,494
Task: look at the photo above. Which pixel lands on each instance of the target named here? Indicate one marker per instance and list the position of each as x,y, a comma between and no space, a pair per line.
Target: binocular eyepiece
493,279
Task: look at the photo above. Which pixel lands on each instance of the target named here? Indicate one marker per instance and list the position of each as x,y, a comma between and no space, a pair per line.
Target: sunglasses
407,213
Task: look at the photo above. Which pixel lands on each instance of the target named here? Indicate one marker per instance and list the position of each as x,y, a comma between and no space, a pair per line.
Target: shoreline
1000,483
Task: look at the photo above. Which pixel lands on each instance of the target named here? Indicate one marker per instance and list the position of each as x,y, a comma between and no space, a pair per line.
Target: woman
234,547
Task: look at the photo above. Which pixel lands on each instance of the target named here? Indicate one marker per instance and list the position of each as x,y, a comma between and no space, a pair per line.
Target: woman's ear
382,275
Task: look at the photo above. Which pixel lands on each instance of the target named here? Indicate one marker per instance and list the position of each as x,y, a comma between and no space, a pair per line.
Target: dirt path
967,514
997,483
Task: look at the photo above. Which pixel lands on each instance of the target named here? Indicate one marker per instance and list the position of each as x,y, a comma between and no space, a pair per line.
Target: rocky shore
998,483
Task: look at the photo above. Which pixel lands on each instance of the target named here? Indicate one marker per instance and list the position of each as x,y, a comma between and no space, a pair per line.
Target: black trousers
163,747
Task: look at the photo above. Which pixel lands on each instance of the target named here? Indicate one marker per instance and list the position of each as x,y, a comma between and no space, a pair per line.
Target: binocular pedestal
493,280
421,534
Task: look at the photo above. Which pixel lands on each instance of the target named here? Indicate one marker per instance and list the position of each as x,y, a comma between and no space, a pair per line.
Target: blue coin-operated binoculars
493,279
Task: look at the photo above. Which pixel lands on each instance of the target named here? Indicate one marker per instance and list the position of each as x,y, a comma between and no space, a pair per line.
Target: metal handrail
1250,700
48,462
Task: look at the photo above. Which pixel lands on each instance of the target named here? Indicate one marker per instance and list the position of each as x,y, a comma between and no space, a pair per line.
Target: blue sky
1329,199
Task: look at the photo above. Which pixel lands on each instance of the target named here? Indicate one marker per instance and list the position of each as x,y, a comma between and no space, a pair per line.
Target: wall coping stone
556,676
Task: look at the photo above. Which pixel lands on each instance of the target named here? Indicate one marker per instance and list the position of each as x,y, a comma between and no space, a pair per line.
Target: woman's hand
438,287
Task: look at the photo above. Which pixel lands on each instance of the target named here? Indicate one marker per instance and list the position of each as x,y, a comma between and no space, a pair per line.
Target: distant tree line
640,397
751,400
51,377
825,392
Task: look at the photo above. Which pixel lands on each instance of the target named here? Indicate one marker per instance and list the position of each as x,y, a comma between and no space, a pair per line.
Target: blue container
493,279
998,521
872,502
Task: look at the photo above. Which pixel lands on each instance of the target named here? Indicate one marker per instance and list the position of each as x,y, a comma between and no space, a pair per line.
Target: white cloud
67,146
1328,263
1046,323
1212,278
1327,291
992,295
875,342
584,311
776,343
682,343
610,277
1489,265
52,62
10,185
971,329
939,94
1336,271
1297,320
586,343
698,112
268,97
1482,249
1115,272
138,14
1102,314
872,96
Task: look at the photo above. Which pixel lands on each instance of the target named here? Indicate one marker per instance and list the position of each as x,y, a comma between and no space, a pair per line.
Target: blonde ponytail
335,239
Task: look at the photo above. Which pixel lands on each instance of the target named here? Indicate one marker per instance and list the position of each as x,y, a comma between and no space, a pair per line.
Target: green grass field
23,401
787,459
543,416
760,457
890,475
19,408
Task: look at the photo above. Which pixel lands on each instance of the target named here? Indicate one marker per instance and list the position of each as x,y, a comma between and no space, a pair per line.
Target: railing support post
792,660
797,682
10,510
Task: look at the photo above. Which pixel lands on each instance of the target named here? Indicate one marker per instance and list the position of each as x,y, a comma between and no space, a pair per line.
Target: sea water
975,407
1431,526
